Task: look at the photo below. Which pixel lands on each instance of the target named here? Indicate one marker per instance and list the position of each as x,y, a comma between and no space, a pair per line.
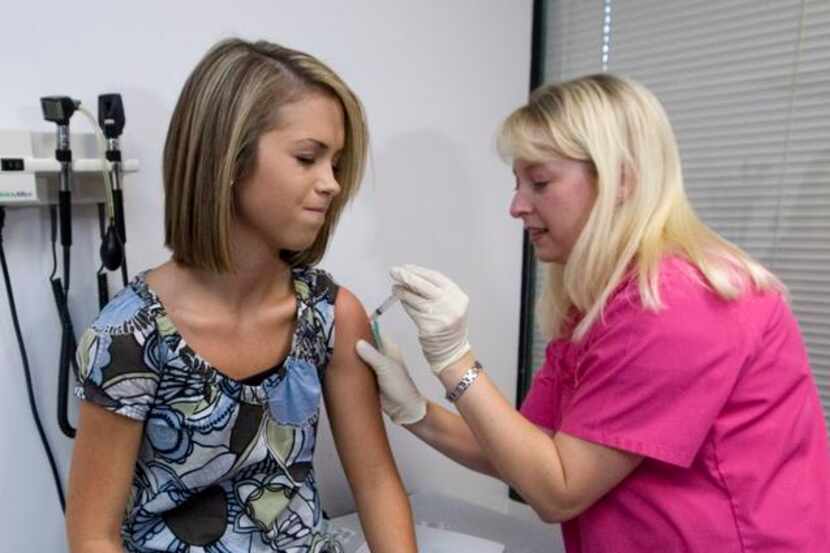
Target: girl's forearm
386,517
96,546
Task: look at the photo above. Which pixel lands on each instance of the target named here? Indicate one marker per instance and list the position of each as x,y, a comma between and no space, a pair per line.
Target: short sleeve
317,291
325,300
326,286
652,383
541,405
113,373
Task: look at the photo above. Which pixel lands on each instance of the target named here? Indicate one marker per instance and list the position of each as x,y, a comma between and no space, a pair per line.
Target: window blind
746,84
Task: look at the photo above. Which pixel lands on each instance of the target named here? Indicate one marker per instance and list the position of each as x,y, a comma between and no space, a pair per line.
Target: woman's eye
539,185
305,160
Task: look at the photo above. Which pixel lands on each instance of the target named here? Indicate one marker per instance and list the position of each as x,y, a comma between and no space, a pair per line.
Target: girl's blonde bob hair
641,212
230,99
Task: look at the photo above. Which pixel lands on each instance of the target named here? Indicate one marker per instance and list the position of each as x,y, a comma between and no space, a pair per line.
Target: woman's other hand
399,397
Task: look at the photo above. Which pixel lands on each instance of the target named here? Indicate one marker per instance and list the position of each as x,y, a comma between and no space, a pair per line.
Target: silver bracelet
465,382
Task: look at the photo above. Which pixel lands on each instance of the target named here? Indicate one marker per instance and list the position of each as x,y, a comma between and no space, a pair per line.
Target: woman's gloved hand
399,397
439,309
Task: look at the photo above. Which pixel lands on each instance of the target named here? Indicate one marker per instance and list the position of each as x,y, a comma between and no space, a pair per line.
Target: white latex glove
399,397
439,309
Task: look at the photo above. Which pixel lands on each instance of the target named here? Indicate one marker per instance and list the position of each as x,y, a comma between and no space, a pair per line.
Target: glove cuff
414,412
445,361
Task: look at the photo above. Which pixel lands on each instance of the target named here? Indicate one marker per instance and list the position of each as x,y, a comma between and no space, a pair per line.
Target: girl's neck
248,287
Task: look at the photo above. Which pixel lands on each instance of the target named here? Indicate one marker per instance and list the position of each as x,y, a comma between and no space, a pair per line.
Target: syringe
375,324
387,303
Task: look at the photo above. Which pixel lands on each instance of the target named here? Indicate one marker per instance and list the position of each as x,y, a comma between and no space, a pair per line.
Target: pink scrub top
718,398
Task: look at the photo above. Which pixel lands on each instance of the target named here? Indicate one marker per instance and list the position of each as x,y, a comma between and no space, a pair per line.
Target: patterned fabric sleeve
328,289
117,366
318,292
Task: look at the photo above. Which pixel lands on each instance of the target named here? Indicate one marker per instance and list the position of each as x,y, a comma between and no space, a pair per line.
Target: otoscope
111,119
59,110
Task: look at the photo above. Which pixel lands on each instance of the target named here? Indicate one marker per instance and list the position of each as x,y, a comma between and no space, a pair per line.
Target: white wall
435,77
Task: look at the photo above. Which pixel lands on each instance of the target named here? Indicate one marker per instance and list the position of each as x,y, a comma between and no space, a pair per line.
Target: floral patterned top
224,467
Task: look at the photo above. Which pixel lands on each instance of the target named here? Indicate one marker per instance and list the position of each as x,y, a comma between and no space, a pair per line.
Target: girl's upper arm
351,396
103,464
118,388
353,405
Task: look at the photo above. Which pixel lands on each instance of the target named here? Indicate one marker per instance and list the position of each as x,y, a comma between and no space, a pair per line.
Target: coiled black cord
26,371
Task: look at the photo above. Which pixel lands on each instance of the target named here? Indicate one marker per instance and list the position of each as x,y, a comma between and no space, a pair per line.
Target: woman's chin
548,255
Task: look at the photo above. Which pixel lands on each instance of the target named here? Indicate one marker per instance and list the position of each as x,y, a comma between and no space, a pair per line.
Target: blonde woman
203,377
676,410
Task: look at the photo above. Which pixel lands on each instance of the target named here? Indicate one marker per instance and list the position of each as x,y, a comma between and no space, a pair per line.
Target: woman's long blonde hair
641,212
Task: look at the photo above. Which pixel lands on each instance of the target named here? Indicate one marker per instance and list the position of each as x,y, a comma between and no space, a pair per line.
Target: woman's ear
626,185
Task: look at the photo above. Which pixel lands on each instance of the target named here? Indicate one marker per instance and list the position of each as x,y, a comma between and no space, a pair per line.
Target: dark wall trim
527,299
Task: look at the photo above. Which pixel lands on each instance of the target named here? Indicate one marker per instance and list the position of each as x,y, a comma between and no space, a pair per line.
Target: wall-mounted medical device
58,170
30,172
